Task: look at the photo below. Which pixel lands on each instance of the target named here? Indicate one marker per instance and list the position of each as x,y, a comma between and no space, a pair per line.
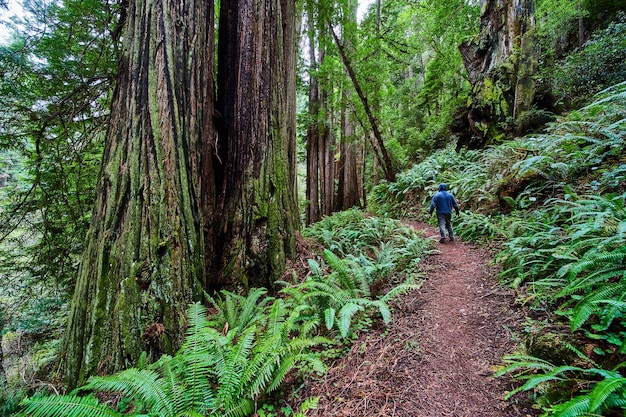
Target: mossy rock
552,347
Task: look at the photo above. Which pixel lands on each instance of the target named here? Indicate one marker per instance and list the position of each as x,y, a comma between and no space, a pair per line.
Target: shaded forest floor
438,355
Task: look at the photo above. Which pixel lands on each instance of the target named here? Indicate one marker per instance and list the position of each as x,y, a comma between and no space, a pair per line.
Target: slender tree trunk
257,201
291,28
361,172
581,25
312,134
143,261
378,15
385,160
328,171
3,375
347,188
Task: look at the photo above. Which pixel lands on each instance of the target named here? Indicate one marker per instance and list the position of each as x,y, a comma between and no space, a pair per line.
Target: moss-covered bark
143,261
184,206
255,84
501,62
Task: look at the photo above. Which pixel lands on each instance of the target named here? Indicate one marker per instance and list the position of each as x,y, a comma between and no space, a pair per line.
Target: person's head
443,187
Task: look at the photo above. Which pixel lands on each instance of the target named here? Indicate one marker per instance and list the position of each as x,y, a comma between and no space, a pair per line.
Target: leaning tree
196,191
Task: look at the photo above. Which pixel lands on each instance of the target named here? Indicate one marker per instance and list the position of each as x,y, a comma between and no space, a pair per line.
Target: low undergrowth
238,352
552,206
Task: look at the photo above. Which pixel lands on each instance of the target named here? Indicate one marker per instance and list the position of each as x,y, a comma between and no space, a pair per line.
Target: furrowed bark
143,261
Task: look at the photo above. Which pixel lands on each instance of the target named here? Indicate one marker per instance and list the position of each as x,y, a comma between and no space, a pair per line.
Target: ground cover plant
552,205
238,352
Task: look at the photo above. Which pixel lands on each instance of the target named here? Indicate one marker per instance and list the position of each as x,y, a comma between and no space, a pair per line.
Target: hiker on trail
443,201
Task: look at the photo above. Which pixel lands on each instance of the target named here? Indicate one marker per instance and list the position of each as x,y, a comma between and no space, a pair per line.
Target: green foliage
556,21
335,298
553,204
220,372
607,387
477,227
362,252
56,85
600,64
243,351
56,79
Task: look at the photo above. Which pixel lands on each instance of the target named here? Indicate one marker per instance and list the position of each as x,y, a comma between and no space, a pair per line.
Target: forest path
436,358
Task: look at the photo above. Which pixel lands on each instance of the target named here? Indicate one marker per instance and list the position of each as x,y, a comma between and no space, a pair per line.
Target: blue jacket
443,201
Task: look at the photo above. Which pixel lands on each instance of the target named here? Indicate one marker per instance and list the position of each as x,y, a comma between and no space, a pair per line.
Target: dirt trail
437,356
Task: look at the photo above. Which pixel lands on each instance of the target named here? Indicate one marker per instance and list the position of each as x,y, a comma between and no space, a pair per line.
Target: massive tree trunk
255,85
143,261
181,209
501,62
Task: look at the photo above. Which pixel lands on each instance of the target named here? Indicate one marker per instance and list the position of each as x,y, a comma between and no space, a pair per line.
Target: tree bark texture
348,185
256,87
196,192
143,261
501,62
315,133
3,375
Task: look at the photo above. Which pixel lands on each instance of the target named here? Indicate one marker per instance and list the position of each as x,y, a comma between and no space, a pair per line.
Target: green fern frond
196,317
345,317
309,327
276,318
539,381
399,290
339,266
66,406
242,407
524,363
329,318
286,364
577,406
252,308
383,309
315,268
603,389
146,386
230,372
589,304
190,414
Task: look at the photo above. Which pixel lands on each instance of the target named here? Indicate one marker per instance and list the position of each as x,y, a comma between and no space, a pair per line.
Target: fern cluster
362,252
604,390
378,246
242,351
225,366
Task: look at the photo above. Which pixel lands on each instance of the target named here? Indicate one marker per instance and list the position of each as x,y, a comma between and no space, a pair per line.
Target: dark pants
445,224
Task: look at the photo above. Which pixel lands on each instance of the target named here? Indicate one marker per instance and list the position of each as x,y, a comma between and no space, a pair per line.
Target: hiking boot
442,240
451,239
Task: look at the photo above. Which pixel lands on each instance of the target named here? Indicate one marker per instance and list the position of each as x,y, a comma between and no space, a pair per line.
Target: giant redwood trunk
501,63
257,210
185,205
143,261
